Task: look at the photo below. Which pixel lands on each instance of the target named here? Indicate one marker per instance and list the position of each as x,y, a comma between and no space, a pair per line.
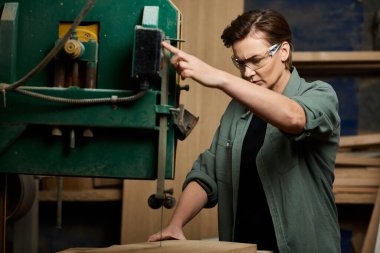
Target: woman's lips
256,82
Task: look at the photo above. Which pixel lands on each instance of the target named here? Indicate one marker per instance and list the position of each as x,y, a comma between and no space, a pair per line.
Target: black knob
169,202
154,202
185,87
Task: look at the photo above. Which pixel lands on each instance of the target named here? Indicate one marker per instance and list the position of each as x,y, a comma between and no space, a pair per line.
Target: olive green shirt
297,172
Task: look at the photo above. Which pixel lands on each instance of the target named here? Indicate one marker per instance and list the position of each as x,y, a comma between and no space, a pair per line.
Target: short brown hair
270,22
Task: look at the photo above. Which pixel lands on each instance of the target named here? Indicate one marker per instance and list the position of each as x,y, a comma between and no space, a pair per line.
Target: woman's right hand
189,66
168,233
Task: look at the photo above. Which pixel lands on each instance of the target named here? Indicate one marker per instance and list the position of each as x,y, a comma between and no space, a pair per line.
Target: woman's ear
285,51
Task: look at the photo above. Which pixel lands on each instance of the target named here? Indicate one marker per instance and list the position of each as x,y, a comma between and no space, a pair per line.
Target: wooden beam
83,195
351,160
173,246
337,56
350,198
344,62
360,141
357,177
355,190
370,238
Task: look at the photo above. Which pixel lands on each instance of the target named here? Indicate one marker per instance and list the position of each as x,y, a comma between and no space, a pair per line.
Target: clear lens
255,64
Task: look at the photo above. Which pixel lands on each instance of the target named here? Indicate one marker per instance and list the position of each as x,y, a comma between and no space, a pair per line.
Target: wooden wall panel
203,23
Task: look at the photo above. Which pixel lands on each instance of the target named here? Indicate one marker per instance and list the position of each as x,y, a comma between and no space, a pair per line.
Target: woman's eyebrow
253,57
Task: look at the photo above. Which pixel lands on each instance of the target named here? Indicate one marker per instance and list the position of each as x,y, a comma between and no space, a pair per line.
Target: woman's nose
248,72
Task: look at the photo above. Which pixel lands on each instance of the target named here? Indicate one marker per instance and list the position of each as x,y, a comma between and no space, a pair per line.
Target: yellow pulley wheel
74,48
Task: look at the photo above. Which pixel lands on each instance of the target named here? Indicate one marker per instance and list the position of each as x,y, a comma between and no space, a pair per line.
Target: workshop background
102,212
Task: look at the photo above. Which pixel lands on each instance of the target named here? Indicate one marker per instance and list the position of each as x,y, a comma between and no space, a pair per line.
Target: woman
270,167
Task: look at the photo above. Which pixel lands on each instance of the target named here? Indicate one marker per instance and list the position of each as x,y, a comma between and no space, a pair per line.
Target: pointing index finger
169,47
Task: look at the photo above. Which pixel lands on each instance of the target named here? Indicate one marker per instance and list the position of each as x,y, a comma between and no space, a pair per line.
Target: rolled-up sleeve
321,106
203,172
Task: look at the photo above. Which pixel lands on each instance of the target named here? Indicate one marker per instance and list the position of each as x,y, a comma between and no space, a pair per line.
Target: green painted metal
111,152
28,110
125,138
12,131
38,31
8,42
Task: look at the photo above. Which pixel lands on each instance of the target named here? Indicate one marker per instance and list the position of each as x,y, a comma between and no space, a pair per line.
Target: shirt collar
293,85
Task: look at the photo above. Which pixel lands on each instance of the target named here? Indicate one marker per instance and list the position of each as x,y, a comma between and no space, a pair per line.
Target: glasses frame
241,65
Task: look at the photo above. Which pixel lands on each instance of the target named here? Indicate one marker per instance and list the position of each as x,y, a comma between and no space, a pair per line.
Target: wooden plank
355,190
335,56
346,160
346,63
83,195
350,198
173,246
360,141
370,238
107,182
377,245
355,195
69,183
357,177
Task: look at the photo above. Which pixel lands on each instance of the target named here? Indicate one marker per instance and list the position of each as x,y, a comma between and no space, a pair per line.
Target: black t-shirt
253,220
